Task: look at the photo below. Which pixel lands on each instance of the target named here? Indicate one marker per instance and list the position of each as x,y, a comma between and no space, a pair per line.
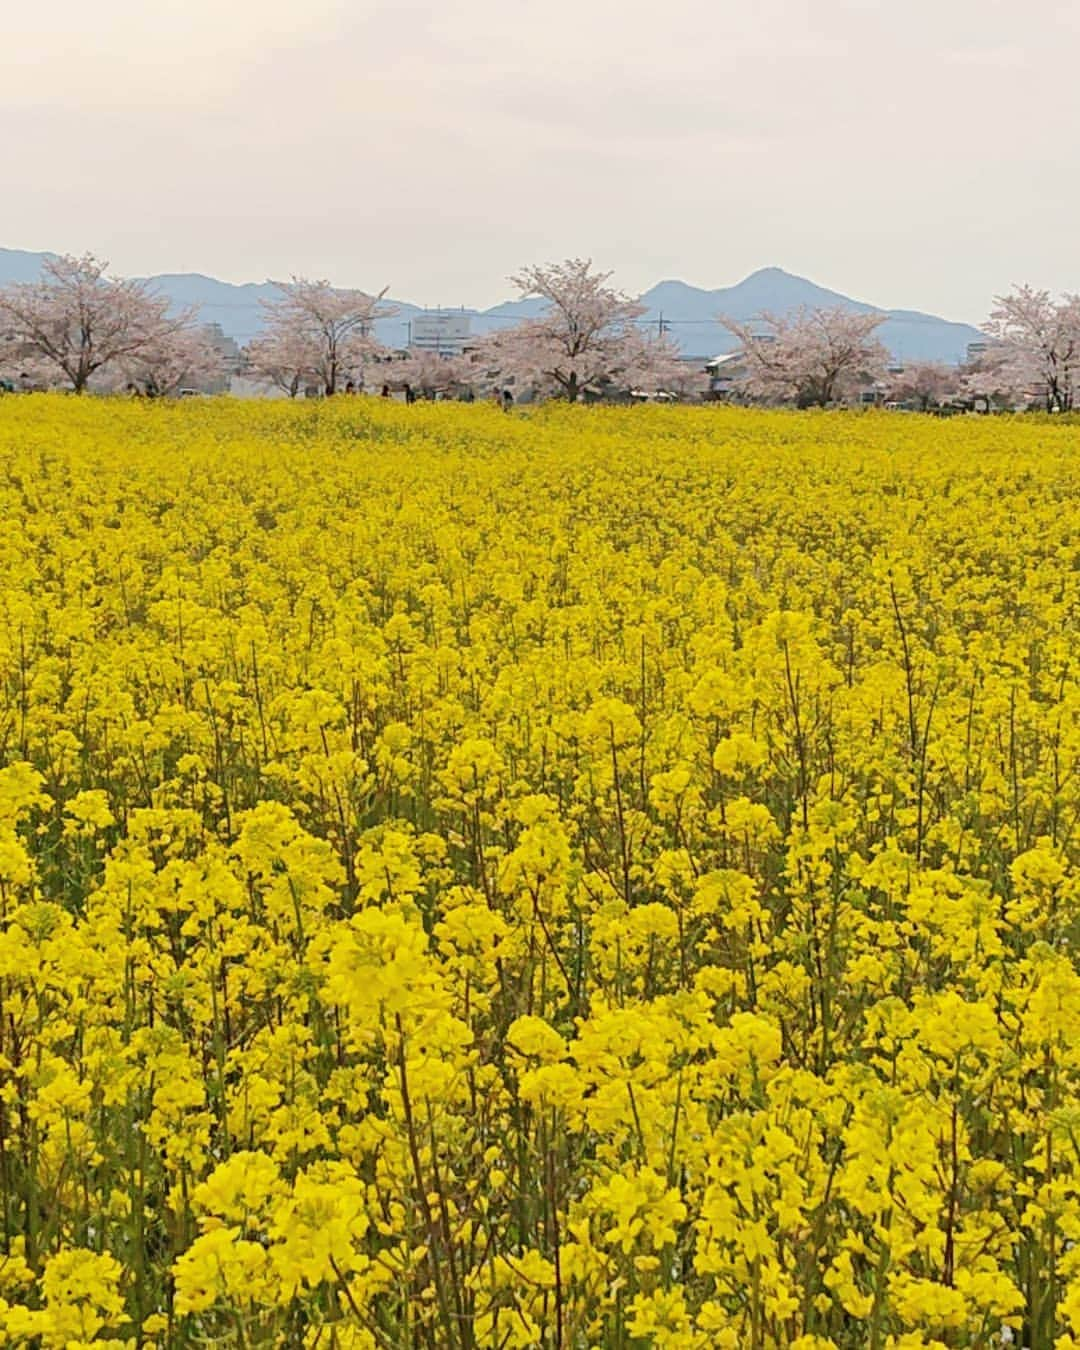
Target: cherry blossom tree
77,321
1001,377
284,358
586,334
812,356
172,361
334,329
926,383
429,372
654,364
1039,343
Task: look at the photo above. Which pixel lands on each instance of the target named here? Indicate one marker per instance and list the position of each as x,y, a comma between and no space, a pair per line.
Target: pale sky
918,153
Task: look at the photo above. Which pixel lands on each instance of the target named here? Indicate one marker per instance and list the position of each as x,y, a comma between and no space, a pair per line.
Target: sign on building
437,331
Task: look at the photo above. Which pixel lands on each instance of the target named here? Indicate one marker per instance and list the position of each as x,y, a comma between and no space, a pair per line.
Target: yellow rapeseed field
587,878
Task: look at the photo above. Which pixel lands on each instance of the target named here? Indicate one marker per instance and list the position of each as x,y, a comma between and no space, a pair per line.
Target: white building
726,373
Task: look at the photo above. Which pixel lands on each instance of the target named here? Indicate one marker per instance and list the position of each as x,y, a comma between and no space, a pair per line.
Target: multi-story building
228,351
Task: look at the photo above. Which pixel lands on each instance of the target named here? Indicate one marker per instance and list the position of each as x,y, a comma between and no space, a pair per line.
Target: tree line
81,328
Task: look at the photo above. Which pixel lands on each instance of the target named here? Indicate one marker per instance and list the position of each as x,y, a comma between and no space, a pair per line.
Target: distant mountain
689,314
16,265
236,308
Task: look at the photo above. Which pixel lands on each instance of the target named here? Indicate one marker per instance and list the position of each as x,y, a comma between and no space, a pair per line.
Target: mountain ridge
687,313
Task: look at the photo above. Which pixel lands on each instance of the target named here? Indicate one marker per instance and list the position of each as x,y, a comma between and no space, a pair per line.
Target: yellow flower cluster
594,878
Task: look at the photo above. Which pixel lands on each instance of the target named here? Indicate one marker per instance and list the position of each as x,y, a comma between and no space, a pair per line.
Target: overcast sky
916,153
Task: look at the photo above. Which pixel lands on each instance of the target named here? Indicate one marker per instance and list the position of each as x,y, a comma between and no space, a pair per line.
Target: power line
480,315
